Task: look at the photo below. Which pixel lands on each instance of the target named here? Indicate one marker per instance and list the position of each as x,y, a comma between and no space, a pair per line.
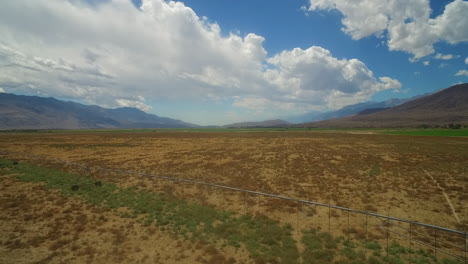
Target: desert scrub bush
264,238
372,245
375,170
319,247
396,249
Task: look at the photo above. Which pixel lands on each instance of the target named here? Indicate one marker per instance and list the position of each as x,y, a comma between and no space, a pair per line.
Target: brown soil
41,226
378,173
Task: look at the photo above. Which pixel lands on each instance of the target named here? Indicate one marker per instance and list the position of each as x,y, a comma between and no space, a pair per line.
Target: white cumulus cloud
462,73
314,75
115,55
440,56
406,24
138,102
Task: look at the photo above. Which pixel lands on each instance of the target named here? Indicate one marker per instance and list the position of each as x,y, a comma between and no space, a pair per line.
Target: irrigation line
348,225
424,244
430,246
466,247
387,238
329,216
245,208
255,193
414,235
421,234
410,237
435,244
366,227
298,212
450,244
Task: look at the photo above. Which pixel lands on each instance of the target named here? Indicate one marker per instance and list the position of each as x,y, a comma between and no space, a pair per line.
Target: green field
431,132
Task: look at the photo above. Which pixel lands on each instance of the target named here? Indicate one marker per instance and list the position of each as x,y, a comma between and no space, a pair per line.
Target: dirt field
419,178
40,226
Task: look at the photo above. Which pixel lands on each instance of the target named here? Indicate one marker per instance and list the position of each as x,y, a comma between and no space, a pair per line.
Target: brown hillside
446,106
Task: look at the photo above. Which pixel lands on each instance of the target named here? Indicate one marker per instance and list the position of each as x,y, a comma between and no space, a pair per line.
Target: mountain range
440,108
33,112
348,110
443,107
266,123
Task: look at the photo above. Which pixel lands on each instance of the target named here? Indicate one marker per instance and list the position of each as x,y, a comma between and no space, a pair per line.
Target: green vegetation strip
265,239
431,132
321,247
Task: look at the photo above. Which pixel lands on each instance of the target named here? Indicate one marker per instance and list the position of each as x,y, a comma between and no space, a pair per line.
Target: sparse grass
91,146
375,170
266,240
431,132
372,245
320,247
337,163
263,238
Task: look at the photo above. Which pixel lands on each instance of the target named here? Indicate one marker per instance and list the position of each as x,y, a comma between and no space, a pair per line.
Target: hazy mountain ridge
348,110
443,107
33,112
266,123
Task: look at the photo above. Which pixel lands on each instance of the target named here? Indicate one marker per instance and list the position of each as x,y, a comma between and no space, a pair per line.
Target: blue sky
285,26
221,61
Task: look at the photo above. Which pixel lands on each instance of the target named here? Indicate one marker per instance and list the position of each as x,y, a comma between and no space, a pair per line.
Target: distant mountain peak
348,110
34,112
443,107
